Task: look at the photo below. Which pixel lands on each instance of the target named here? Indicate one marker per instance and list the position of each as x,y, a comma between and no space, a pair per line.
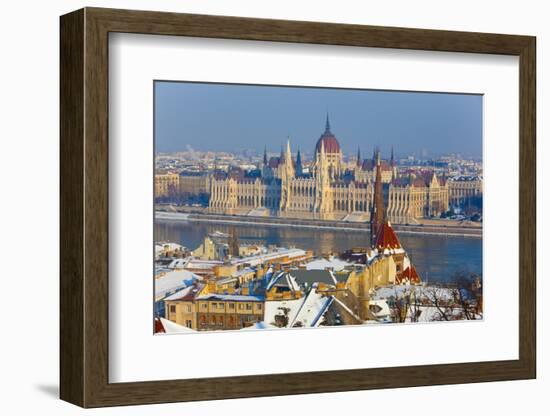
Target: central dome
329,141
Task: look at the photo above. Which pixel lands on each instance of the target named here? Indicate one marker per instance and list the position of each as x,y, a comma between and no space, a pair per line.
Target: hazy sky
226,117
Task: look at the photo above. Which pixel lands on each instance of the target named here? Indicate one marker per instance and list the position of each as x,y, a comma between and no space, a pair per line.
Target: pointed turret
322,182
265,156
286,175
392,161
327,126
288,155
358,161
377,216
322,166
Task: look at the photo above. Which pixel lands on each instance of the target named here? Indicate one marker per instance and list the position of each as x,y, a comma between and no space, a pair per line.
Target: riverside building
328,188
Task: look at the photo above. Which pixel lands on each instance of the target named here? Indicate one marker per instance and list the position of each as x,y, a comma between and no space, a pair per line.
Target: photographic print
281,207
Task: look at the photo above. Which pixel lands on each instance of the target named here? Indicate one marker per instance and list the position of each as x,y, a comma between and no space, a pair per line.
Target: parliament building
327,188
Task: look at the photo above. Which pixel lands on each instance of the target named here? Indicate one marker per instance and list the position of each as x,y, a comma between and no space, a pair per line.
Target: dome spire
327,125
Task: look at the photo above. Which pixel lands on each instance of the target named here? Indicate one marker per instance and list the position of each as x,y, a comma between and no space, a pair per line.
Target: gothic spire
327,125
377,216
392,157
265,155
358,163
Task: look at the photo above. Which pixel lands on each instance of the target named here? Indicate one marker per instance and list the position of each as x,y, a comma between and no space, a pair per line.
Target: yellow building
208,250
202,308
221,312
181,307
166,185
194,183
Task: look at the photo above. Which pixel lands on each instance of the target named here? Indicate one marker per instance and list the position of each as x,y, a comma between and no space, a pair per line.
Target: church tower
377,211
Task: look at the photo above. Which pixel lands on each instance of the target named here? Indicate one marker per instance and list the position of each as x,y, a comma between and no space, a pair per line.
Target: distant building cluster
327,187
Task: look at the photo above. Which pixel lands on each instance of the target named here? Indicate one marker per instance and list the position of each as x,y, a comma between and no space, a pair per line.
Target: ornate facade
166,184
327,188
463,188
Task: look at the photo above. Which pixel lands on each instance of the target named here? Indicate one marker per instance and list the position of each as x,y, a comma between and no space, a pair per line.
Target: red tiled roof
408,275
387,238
159,328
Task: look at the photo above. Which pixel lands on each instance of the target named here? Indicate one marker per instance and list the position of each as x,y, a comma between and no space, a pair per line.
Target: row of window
221,320
218,306
221,306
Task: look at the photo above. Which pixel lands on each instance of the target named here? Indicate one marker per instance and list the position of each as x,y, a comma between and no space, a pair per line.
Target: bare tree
414,307
400,303
468,294
436,297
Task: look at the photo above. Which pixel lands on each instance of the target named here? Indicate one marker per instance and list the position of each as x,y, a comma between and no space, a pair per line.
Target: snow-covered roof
313,308
255,260
283,279
307,310
322,264
275,307
172,281
242,298
187,292
174,328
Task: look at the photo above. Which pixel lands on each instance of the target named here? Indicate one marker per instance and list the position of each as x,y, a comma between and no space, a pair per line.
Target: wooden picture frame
84,207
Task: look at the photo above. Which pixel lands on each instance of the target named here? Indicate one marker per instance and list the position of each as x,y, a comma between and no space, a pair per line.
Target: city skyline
234,117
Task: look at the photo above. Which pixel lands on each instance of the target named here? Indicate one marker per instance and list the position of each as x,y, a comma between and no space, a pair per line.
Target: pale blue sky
228,117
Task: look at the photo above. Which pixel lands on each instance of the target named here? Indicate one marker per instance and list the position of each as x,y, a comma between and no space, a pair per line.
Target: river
436,257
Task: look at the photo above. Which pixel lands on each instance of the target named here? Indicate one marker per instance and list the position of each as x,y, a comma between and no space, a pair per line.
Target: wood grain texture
84,207
71,208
